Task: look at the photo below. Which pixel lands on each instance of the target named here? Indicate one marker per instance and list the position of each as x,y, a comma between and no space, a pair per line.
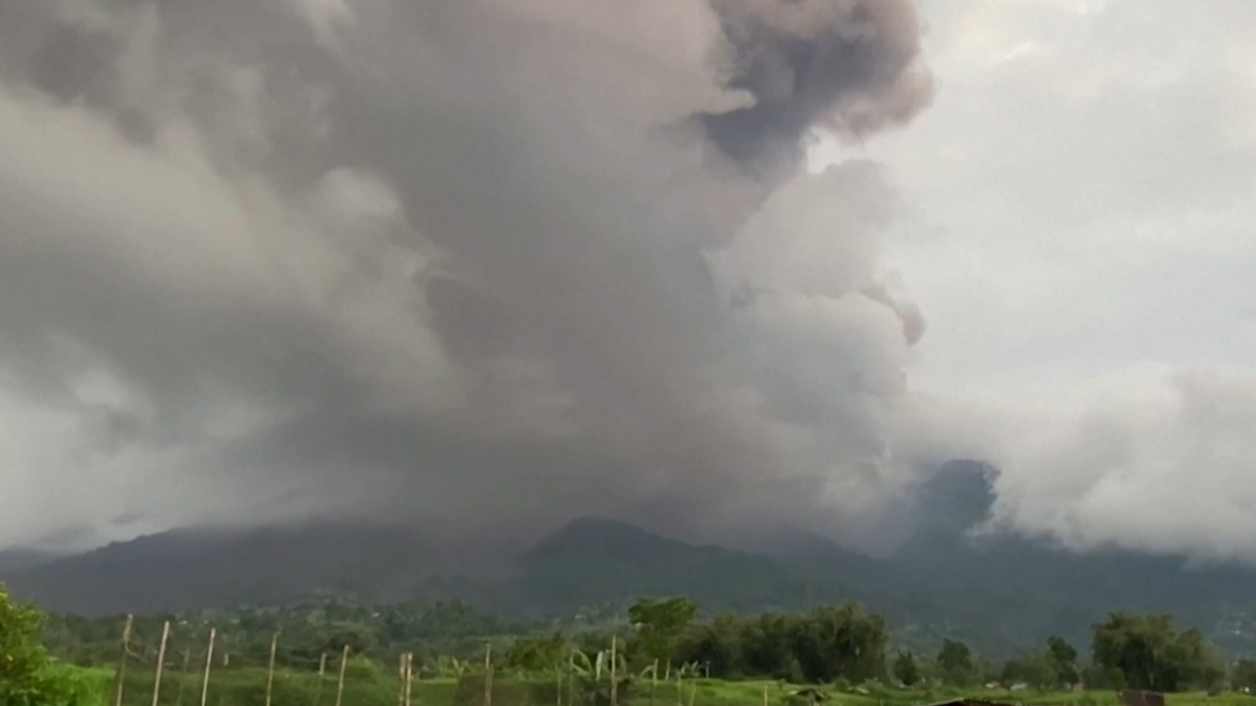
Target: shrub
28,676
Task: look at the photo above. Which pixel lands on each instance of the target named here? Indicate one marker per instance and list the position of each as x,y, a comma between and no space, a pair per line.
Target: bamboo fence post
322,678
209,663
488,674
401,680
270,668
340,685
409,676
161,661
614,672
183,676
404,674
654,681
571,679
126,645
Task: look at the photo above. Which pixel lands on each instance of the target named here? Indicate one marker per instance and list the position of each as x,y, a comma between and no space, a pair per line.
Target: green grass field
367,685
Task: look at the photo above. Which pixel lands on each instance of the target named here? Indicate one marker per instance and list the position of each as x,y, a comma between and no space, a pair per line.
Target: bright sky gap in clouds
501,263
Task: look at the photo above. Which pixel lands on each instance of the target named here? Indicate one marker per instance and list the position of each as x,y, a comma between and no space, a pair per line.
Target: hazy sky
499,263
1084,250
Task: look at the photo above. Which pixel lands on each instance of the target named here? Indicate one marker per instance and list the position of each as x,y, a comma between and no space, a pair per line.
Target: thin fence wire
240,674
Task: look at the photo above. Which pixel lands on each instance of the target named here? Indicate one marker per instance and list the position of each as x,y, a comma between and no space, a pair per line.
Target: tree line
833,644
829,644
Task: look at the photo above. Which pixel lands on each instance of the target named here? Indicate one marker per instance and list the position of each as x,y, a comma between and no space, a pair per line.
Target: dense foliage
1146,652
308,630
658,638
28,676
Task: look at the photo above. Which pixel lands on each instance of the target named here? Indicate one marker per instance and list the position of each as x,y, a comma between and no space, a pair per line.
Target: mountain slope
19,559
593,562
1000,595
1036,588
199,568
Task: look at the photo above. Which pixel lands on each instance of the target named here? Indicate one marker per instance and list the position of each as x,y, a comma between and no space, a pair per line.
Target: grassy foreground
366,686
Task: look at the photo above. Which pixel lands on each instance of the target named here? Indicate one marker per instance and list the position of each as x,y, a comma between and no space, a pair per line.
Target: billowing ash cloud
472,264
847,65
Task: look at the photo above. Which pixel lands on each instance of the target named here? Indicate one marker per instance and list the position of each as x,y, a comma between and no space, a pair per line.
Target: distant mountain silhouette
999,594
18,559
595,562
197,568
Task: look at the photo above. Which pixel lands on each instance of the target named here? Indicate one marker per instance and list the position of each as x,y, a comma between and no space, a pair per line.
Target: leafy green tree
538,654
841,642
1149,654
660,623
905,669
716,645
1063,658
767,647
28,676
1194,663
1244,674
1037,669
956,664
1135,646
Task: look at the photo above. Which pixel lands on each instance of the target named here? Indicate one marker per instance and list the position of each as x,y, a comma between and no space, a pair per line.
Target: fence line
253,673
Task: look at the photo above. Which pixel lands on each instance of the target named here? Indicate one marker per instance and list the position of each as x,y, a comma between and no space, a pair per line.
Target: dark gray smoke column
849,66
463,263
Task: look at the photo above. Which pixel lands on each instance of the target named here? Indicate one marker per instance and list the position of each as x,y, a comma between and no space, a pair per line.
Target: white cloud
1086,177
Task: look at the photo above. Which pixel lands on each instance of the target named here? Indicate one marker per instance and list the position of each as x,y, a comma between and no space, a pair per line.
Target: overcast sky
500,263
1084,250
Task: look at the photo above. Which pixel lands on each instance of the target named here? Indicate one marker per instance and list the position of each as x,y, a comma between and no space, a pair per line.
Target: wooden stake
571,679
488,674
654,681
765,695
322,678
209,662
126,644
409,675
161,661
340,685
614,673
401,680
270,669
183,676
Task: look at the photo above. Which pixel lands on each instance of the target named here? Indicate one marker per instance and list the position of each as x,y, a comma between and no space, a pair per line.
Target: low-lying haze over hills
999,594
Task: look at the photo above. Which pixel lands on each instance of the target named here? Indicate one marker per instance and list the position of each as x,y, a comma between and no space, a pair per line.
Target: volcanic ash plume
470,264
